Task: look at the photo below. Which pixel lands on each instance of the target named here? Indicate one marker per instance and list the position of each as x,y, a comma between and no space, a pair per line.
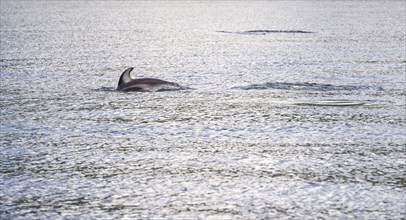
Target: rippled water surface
292,110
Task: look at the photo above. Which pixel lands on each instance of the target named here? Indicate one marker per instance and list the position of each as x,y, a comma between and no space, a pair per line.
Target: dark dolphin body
141,85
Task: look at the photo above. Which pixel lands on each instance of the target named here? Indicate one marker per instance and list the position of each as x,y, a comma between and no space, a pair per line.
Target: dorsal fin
125,76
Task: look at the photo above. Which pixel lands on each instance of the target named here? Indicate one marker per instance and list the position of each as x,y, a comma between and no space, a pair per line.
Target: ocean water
292,110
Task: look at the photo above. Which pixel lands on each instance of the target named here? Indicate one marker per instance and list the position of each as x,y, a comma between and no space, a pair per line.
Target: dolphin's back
144,84
151,81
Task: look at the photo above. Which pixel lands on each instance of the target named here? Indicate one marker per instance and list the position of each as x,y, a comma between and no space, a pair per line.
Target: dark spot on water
278,31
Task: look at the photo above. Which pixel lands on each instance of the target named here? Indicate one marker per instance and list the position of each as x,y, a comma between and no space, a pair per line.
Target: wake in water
305,86
264,32
337,103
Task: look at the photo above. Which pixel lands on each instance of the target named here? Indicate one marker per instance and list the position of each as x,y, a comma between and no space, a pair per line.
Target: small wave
337,103
305,86
264,32
105,89
380,61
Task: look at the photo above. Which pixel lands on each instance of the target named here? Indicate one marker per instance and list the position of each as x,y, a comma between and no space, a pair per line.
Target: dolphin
144,84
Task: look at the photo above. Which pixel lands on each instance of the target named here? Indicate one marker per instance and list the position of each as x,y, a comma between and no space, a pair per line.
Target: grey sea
288,110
